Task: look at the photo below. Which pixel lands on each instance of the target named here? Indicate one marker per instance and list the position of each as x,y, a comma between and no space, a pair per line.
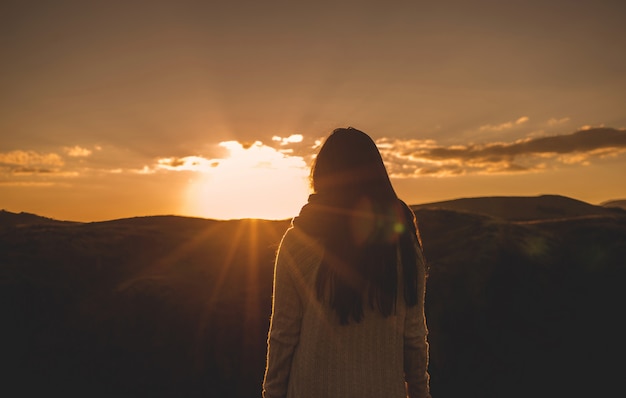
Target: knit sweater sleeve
415,342
286,320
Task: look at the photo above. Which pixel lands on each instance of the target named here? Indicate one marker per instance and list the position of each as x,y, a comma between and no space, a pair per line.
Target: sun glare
253,181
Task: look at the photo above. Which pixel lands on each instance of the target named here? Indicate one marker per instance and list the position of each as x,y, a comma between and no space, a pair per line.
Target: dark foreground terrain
525,299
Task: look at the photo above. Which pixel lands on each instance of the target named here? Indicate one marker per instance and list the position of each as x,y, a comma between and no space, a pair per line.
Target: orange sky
118,109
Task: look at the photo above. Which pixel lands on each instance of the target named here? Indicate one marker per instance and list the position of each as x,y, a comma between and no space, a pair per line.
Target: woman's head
349,163
361,223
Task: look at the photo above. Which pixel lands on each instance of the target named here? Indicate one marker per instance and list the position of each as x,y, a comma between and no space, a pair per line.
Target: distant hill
620,203
8,218
523,208
511,208
169,306
157,306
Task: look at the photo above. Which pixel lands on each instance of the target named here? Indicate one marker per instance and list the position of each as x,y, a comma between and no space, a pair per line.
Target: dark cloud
580,141
414,157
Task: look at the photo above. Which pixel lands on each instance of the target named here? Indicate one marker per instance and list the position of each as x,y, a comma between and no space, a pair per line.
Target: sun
253,181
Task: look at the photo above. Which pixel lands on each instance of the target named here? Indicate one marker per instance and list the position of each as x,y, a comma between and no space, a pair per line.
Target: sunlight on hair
253,181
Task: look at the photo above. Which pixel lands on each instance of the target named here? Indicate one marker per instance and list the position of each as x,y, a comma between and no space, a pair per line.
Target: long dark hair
363,226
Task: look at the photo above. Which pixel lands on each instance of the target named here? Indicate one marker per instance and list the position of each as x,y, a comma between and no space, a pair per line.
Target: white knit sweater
311,355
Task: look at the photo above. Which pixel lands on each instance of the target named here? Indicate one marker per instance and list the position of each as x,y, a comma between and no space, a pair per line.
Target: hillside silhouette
517,305
523,208
21,219
620,203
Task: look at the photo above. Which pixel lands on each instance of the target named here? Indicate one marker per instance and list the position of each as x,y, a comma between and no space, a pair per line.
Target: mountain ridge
619,203
524,208
110,306
511,208
24,218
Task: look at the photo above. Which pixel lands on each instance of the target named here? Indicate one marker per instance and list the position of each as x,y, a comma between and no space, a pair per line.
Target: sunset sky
112,109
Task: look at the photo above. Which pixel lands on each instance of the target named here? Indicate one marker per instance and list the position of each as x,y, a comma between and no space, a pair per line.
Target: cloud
296,145
187,163
30,168
29,162
291,139
77,152
240,155
589,127
504,126
554,121
33,168
407,158
37,184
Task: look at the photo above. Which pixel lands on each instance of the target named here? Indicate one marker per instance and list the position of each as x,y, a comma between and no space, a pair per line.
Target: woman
348,309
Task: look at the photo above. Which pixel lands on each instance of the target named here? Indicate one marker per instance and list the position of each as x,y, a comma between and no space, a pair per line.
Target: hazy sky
123,108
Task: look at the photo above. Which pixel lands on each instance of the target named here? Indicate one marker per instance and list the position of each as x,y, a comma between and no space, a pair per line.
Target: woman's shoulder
300,247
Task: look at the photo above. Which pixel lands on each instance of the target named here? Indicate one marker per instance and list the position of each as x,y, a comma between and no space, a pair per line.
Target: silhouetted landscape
524,298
